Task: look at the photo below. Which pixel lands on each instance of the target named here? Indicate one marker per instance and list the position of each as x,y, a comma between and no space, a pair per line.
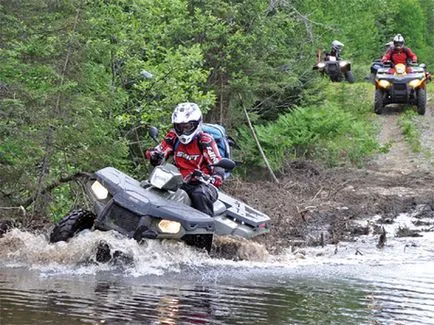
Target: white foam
155,257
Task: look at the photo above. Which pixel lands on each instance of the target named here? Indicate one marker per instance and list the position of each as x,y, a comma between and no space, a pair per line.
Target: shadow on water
169,283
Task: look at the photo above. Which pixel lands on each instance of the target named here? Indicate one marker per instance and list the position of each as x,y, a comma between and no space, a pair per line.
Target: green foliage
410,130
73,98
55,108
337,132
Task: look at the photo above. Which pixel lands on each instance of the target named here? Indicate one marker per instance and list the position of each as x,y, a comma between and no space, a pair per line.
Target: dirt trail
401,158
314,206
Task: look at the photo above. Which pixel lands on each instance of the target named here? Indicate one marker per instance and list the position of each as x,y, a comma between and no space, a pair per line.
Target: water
169,283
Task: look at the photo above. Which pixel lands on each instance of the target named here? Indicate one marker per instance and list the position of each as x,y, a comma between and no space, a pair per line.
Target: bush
338,132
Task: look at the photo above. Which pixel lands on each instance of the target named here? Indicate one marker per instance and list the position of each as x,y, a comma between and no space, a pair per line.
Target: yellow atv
400,85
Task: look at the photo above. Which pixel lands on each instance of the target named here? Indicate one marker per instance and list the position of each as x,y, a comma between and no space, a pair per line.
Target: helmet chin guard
186,139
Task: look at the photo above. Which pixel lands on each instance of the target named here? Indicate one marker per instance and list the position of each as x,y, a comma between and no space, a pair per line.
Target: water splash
158,257
365,249
78,256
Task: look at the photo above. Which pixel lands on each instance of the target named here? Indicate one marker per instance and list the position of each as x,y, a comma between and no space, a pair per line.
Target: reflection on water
169,283
329,294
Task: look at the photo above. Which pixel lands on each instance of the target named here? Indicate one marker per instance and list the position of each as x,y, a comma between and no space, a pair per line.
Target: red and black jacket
200,153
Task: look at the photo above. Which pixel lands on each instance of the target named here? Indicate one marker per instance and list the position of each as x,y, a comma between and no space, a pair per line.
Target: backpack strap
199,143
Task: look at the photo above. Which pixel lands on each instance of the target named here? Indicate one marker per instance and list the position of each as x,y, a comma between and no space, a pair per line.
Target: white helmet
398,41
187,121
337,45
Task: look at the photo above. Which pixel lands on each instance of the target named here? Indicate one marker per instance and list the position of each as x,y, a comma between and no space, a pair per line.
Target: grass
410,130
410,125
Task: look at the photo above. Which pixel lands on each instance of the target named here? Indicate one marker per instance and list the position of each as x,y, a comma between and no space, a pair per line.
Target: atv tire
379,101
349,77
71,224
421,101
200,241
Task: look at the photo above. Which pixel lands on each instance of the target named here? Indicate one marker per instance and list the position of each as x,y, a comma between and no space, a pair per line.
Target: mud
313,205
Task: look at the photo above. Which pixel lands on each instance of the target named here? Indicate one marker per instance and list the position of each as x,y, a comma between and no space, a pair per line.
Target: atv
401,85
158,208
336,69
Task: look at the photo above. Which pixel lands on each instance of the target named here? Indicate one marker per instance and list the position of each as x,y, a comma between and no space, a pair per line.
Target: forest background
81,81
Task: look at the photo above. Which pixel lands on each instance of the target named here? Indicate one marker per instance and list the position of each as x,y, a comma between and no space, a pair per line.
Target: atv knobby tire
203,241
421,101
379,101
71,224
349,77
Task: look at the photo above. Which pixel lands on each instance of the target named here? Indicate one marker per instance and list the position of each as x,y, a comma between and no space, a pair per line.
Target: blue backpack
218,132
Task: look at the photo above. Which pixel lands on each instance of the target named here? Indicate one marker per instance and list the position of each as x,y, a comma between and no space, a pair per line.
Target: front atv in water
158,209
400,85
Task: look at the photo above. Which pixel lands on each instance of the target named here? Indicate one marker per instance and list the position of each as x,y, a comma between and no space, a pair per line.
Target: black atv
336,69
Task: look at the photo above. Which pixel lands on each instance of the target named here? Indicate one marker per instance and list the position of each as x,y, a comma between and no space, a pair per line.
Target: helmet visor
185,128
398,44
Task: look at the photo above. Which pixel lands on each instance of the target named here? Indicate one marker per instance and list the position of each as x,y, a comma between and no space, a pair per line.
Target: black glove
155,157
194,177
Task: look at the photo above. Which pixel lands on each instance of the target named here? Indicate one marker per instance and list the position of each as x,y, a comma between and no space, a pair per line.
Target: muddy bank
317,206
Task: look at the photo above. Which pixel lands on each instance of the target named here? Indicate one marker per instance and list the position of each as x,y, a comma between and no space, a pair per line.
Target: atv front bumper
124,221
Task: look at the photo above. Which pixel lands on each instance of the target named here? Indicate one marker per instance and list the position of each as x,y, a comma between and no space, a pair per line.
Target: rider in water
194,152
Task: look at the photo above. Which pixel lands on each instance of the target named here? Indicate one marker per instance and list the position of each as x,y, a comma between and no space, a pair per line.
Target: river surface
169,283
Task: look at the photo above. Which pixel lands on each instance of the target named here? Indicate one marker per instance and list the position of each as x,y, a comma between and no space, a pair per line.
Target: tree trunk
42,199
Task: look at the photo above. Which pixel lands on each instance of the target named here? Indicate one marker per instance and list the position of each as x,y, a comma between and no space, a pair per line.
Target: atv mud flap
239,219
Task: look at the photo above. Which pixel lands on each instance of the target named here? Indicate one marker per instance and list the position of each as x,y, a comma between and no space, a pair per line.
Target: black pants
202,197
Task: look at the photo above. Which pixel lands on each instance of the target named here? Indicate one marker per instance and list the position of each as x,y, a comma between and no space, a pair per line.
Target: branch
257,141
55,184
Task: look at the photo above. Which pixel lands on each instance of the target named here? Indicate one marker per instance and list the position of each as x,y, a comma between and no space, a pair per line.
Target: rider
378,62
388,46
194,152
335,50
398,53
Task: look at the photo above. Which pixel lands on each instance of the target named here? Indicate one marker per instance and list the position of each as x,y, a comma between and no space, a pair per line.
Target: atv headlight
384,84
169,226
400,68
99,190
415,83
321,65
343,63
